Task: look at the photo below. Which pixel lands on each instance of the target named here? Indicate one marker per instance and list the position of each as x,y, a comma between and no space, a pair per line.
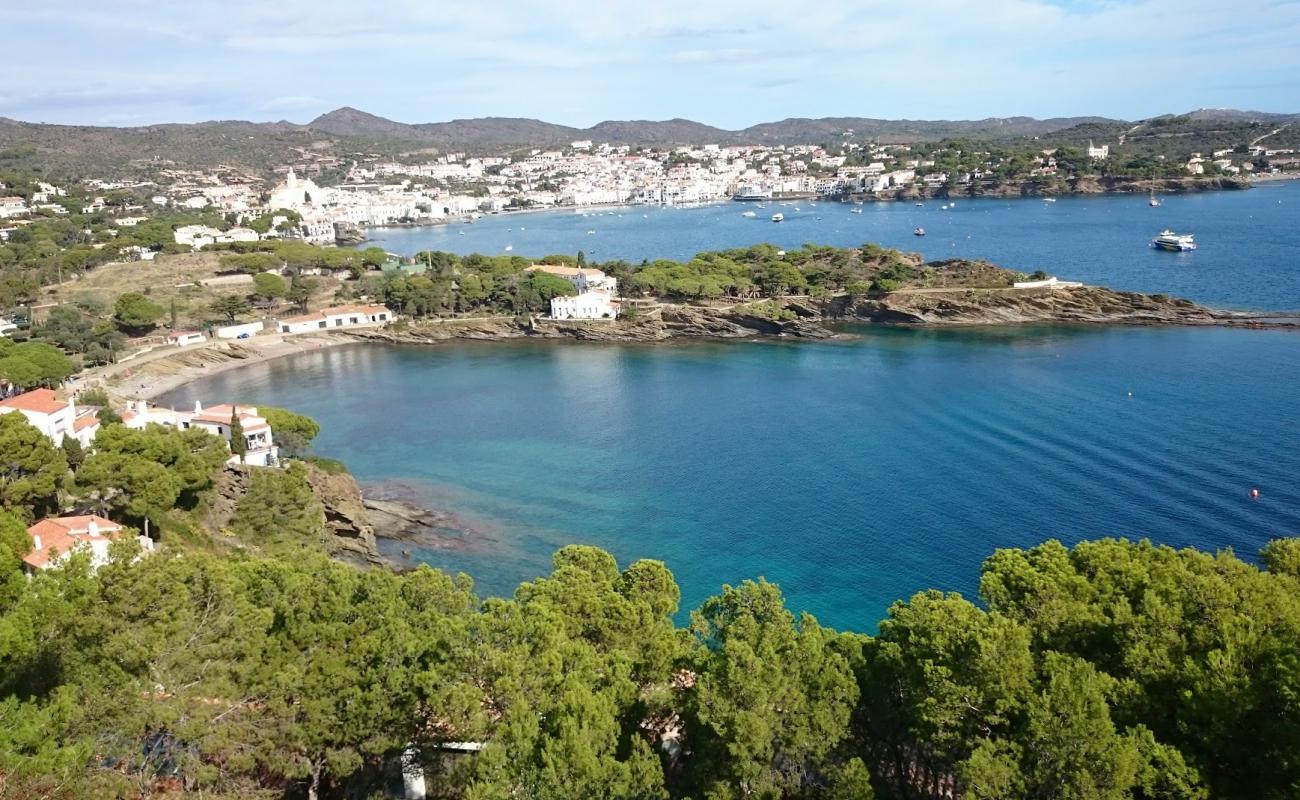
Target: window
338,322
322,324
352,320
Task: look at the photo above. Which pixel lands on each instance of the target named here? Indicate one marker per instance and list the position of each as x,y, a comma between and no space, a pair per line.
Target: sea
853,472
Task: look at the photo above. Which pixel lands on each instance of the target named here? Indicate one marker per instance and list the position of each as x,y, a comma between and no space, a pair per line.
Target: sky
729,63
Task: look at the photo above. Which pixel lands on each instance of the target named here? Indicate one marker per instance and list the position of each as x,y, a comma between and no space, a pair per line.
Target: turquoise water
1249,254
851,472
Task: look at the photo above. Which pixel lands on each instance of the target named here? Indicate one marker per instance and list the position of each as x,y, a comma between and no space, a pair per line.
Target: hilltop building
1098,153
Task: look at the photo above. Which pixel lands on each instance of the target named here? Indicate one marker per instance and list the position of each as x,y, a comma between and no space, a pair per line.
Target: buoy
1254,494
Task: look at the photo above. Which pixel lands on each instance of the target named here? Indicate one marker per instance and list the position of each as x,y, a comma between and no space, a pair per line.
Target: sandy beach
161,370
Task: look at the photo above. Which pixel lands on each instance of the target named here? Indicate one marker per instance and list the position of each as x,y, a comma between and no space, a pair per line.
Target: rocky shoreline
807,318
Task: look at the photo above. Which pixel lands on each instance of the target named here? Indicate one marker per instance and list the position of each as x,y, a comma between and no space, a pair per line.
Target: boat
1178,242
1154,201
1049,199
920,205
857,211
918,231
509,247
778,216
749,214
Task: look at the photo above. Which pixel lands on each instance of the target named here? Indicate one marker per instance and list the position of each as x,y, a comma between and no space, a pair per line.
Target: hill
254,145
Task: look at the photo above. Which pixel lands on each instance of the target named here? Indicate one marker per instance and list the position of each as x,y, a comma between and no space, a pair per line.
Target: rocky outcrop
347,233
347,522
350,535
1084,304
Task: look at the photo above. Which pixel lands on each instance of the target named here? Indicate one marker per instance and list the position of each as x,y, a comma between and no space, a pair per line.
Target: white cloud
725,62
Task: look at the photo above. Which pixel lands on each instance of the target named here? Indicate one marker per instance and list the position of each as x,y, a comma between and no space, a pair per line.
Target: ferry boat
778,216
1168,240
918,231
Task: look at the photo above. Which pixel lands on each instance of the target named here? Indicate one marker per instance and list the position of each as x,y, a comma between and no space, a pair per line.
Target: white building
12,207
1099,153
261,450
294,194
185,338
196,236
336,318
57,419
54,539
594,304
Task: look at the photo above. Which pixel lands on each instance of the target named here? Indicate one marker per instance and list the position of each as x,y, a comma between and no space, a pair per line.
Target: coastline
170,369
1026,189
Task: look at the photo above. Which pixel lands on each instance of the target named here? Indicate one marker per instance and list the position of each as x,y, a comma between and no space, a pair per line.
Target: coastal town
371,191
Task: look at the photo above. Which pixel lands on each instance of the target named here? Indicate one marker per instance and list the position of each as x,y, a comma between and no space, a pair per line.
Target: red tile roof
42,401
60,535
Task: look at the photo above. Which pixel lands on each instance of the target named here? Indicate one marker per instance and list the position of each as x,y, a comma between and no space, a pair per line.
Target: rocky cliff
350,534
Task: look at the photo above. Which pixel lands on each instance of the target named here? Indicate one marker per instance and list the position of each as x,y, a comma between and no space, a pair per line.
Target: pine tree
238,444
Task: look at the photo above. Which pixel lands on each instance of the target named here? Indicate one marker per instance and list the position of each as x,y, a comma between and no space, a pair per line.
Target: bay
853,472
1248,256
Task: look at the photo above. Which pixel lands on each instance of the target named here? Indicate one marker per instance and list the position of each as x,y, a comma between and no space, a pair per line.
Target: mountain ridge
262,145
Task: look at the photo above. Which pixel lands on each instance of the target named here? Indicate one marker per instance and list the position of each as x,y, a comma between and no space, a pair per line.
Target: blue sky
723,62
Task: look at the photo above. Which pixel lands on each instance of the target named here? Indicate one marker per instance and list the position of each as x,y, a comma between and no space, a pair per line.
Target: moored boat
778,216
918,231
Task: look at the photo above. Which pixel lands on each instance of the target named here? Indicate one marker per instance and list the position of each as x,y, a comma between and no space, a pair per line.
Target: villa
593,304
54,539
57,419
336,318
260,449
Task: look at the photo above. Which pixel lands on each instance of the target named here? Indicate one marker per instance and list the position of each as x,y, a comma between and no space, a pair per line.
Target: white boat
918,231
589,233
778,216
509,247
1177,242
749,214
857,211
920,205
1049,199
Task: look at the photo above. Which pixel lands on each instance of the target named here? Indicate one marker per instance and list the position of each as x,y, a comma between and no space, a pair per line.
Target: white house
7,326
196,236
336,318
1099,153
593,304
12,207
185,338
55,418
261,450
55,538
